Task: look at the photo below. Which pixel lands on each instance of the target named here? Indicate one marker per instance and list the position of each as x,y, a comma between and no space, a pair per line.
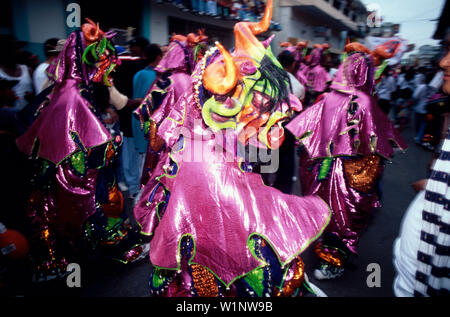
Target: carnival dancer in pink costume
300,52
216,229
75,201
345,139
317,77
173,73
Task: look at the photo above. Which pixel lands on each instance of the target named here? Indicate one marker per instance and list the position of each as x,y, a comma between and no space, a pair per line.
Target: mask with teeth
246,90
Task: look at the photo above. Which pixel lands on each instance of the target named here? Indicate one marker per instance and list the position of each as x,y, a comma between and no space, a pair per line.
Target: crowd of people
407,94
242,10
95,121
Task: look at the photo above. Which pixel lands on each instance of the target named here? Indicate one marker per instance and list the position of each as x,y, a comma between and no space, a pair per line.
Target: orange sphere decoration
13,244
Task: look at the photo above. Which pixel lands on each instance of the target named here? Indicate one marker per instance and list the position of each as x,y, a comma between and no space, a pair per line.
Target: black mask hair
277,79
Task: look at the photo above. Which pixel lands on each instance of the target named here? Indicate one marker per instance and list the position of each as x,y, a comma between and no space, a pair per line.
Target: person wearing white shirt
11,70
40,75
420,96
285,175
384,90
419,77
421,252
287,60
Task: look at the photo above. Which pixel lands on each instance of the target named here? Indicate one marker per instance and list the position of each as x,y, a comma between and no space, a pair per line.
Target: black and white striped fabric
433,271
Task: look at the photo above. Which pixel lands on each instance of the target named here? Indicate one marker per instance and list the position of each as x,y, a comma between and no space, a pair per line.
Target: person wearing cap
137,46
51,50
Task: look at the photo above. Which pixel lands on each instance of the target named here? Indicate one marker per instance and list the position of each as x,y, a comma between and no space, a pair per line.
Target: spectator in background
385,89
142,82
419,77
145,77
7,101
137,46
223,8
234,9
198,6
421,95
40,75
211,7
285,175
28,59
243,10
405,86
123,82
287,60
422,249
333,69
11,70
259,8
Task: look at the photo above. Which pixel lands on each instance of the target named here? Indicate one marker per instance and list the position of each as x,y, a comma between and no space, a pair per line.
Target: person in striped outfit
422,250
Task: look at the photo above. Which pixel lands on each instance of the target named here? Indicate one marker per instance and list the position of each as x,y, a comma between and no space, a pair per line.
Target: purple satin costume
217,203
65,116
315,74
179,62
173,79
346,123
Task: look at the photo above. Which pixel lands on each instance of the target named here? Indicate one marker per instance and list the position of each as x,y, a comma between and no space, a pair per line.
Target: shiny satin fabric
68,63
313,75
67,205
331,128
176,63
351,208
180,83
67,117
344,125
316,78
355,73
67,113
316,56
177,82
300,74
147,209
177,58
221,206
75,199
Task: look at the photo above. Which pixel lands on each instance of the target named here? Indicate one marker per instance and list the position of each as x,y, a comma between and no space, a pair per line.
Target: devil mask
245,90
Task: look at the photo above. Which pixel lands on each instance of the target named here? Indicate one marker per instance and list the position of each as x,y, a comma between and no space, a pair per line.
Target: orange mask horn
244,32
219,79
356,47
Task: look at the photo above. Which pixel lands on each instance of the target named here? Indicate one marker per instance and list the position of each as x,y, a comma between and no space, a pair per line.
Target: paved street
103,279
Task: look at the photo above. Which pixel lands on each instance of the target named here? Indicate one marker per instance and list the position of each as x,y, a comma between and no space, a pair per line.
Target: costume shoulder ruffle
342,124
65,126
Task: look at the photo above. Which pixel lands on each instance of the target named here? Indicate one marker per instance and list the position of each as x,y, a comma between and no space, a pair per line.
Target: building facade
318,21
322,21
